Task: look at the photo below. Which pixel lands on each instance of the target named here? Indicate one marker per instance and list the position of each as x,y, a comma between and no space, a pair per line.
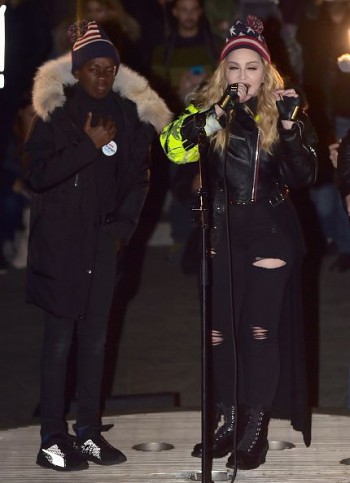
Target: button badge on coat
110,148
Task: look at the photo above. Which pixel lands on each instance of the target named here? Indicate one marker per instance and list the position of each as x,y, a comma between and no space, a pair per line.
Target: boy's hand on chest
102,133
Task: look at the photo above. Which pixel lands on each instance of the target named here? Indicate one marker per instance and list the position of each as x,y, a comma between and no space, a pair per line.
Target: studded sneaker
95,448
61,453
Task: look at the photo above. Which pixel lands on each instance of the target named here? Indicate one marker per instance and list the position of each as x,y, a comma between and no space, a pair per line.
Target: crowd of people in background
174,44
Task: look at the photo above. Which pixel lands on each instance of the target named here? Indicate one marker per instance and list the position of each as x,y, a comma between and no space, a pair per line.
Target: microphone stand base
197,476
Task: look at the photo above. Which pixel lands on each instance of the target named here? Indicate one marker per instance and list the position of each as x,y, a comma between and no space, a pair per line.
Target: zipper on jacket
256,168
237,138
307,148
76,180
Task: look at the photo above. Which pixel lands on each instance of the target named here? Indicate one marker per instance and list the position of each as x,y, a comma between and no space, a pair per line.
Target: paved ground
158,355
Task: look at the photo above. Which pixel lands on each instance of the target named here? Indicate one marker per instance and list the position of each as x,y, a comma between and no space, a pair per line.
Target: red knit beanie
246,35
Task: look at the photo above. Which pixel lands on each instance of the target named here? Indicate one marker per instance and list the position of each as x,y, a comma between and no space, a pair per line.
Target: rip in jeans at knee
259,333
216,338
269,263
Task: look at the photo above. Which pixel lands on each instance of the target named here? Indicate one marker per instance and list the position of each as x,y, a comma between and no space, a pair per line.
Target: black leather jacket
248,173
252,174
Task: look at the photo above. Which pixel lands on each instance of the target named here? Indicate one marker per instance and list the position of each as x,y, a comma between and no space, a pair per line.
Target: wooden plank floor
319,463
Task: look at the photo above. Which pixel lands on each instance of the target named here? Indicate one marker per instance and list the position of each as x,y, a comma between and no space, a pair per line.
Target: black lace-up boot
222,443
253,446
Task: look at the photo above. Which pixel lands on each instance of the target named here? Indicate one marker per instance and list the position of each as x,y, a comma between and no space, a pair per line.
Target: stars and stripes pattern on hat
90,41
92,34
246,35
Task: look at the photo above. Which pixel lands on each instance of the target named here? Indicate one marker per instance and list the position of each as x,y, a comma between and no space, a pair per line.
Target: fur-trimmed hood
54,75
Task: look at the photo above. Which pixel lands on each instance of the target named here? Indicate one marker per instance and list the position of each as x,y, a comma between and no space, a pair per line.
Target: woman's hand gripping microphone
234,93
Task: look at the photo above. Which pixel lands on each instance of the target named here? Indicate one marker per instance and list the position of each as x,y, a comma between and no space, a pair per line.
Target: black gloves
229,98
289,108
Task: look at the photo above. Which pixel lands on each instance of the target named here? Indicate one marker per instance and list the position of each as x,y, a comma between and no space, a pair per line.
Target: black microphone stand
202,209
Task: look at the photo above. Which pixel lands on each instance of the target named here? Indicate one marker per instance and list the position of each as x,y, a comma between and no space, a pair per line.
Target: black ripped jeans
91,336
257,296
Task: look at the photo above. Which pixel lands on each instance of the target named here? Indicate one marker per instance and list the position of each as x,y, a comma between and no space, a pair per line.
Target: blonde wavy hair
267,114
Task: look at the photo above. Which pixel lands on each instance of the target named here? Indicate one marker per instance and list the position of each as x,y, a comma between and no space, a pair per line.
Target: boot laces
228,424
252,432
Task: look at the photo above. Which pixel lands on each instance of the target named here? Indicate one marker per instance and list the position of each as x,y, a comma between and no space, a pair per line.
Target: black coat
65,214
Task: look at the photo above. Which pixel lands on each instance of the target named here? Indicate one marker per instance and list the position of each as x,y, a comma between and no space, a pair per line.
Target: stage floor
319,463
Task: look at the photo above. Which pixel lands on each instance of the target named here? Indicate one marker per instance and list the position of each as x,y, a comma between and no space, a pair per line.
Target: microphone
230,97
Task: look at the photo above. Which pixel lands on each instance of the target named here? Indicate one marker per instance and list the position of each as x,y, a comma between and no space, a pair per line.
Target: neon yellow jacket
175,147
179,149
